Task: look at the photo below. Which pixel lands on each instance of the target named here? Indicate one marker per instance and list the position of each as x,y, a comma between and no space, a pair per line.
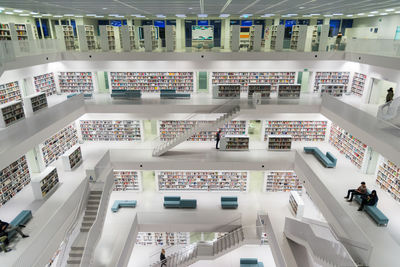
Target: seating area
250,262
22,218
373,211
177,202
126,94
229,202
173,94
328,160
123,204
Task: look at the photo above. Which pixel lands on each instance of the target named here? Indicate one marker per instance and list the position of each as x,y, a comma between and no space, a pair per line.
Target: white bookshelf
263,89
72,158
298,39
336,90
163,238
111,130
291,91
296,204
5,32
255,37
277,36
279,142
152,81
282,181
86,37
43,183
226,91
107,38
55,146
11,112
235,181
127,180
9,92
19,32
320,37
388,178
35,102
234,142
13,179
341,77
353,148
75,82
65,33
299,130
358,84
45,83
170,38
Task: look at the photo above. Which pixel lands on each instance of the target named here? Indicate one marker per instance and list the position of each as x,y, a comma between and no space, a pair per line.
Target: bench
22,218
88,95
164,93
328,160
177,202
373,211
123,204
250,262
126,94
71,95
229,202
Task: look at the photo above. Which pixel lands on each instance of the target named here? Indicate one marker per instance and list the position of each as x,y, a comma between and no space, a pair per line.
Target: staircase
212,126
77,248
205,250
390,112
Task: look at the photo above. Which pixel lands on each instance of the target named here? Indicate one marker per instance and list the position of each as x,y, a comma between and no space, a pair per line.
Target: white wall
16,19
386,27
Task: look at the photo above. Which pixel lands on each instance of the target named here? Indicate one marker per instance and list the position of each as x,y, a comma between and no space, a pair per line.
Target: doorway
303,78
102,82
372,161
378,91
255,130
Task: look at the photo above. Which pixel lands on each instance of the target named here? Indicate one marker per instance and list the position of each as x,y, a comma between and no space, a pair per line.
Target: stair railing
389,110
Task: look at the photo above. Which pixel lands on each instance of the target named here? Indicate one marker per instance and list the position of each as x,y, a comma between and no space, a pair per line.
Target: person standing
163,259
218,137
390,95
361,190
5,228
369,200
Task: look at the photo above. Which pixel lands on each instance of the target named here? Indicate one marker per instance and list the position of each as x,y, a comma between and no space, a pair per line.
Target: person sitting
361,190
369,200
390,95
5,228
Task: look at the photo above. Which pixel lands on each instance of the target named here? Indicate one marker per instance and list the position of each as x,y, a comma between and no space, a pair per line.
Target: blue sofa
127,94
229,202
177,202
22,218
250,262
164,93
123,203
328,160
374,212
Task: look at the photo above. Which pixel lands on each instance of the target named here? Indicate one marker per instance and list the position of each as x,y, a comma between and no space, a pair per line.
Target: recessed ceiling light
9,13
24,15
315,14
349,15
224,15
267,15
37,16
47,15
328,15
57,16
338,14
104,8
91,15
99,16
78,16
373,12
383,14
138,16
306,16
202,15
181,15
389,10
302,7
18,11
34,13
160,16
246,15
113,15
292,14
69,15
361,14
371,15
397,12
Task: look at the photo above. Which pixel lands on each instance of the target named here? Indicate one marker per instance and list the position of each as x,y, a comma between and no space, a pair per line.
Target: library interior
223,133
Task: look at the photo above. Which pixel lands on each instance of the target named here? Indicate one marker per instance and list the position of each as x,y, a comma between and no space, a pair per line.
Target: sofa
164,93
126,94
328,160
22,218
177,202
123,203
229,202
250,262
373,211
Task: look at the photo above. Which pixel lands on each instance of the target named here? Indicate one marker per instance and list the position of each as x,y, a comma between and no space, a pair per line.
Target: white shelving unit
358,84
13,178
170,38
255,37
163,238
299,130
282,181
319,38
291,91
127,38
340,77
388,178
111,130
263,89
86,37
298,39
277,35
127,180
296,204
45,83
76,82
5,32
234,142
279,142
235,181
72,158
43,183
107,38
35,102
65,33
350,146
336,90
11,112
9,92
235,38
226,91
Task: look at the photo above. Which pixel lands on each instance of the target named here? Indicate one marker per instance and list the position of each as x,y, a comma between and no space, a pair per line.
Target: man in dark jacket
369,200
218,137
5,228
163,259
390,95
361,190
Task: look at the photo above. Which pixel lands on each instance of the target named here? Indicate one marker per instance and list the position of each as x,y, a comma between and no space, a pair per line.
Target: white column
227,33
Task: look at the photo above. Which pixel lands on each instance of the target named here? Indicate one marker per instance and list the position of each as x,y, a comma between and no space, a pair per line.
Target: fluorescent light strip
24,15
390,10
91,15
37,16
338,14
180,15
9,13
18,11
383,14
361,14
202,15
224,15
373,12
34,13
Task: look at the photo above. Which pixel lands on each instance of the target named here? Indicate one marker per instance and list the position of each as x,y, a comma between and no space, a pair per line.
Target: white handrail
389,110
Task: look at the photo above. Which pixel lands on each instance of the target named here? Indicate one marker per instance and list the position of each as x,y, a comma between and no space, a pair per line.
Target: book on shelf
279,142
299,130
163,238
263,89
296,204
282,181
336,90
353,148
76,82
289,90
44,182
235,181
358,84
13,179
234,142
11,112
388,178
111,130
9,92
72,158
125,180
331,78
35,102
226,91
45,83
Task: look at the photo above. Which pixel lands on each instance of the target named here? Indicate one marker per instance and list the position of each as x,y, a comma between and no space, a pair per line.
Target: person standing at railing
217,138
390,95
163,259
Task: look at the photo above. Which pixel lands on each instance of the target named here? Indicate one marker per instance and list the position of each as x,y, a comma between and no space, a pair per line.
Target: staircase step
89,218
76,254
87,224
94,197
74,260
92,207
94,202
77,248
90,212
85,229
96,192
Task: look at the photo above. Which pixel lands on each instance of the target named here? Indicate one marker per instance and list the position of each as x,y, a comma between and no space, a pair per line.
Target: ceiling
194,7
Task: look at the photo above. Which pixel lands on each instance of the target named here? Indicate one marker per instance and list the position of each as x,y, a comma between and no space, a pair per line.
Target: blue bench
22,218
229,202
250,262
71,95
328,160
123,203
374,212
164,93
177,202
88,95
126,94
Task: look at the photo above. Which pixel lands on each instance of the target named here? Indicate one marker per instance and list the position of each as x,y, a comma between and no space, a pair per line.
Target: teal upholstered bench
71,95
126,94
250,262
172,94
373,211
88,95
22,218
177,202
229,202
328,160
123,203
